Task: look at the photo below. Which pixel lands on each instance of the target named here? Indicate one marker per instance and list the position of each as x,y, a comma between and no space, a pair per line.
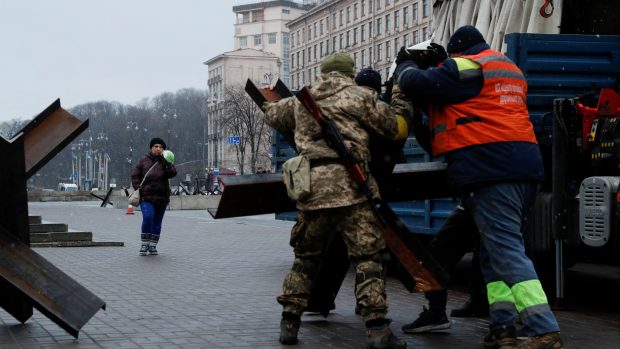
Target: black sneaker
381,337
288,331
428,321
471,309
501,338
144,249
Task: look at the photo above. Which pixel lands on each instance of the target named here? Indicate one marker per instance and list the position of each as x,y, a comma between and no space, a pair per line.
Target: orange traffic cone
129,209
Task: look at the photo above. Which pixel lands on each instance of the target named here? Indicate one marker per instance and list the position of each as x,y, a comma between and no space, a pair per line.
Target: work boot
144,249
289,328
501,338
381,337
550,340
153,249
428,320
471,309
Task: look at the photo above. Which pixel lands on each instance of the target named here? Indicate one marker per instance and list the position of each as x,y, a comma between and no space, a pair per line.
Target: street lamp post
170,114
132,126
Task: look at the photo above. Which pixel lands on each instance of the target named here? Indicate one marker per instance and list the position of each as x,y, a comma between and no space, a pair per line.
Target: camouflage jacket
356,111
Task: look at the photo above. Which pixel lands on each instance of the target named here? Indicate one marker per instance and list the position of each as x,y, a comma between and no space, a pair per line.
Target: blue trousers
152,216
499,211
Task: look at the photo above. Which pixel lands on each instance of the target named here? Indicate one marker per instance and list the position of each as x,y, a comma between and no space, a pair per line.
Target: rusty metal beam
47,134
260,194
51,291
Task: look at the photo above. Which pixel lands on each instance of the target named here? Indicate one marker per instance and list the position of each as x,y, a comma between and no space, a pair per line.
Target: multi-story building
261,44
372,31
231,70
262,26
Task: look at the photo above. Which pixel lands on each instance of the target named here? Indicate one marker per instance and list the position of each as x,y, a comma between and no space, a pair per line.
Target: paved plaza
214,285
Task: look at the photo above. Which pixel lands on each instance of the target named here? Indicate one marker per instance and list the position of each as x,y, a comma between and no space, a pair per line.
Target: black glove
160,158
439,54
403,55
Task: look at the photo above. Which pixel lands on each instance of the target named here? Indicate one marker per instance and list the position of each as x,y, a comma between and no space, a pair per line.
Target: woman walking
153,171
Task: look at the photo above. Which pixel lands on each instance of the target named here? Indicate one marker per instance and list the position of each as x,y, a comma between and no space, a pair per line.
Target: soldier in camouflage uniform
335,205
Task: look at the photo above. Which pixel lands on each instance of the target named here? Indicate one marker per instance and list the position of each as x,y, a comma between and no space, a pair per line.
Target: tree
242,117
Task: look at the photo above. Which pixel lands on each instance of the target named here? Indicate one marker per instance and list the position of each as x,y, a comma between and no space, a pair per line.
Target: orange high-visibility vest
497,114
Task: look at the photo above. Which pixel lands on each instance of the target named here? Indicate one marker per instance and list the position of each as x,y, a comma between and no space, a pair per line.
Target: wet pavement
214,285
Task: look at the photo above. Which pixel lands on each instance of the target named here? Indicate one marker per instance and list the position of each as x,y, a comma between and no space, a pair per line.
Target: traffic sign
234,139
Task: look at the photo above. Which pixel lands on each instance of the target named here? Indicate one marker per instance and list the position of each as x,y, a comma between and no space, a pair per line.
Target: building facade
232,69
371,31
262,26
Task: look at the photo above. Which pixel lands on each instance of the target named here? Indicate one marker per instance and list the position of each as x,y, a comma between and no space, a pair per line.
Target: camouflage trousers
364,241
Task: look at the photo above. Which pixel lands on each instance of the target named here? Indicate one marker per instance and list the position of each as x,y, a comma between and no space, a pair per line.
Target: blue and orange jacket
478,117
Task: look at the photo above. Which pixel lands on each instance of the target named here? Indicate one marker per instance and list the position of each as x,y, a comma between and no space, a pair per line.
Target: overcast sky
117,50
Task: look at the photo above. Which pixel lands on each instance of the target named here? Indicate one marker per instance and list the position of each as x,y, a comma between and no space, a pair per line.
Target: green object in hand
169,156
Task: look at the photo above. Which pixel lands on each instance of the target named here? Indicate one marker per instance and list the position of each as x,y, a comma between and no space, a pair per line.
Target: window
363,8
396,46
424,33
424,8
387,3
271,37
355,11
416,38
396,18
348,38
388,50
303,58
334,44
315,30
293,40
348,14
355,59
309,32
334,21
321,49
362,33
243,41
378,28
297,65
321,26
370,35
315,53
285,11
406,40
327,23
415,12
378,4
341,43
363,54
387,23
354,36
340,17
309,55
379,52
405,16
292,60
326,46
371,56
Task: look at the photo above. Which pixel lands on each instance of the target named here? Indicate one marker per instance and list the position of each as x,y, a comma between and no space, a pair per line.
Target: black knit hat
464,38
157,140
369,77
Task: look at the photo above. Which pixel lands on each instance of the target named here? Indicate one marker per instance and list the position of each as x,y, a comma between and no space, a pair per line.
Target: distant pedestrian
154,193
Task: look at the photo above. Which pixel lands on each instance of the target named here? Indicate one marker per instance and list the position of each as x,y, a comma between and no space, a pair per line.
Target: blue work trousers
500,211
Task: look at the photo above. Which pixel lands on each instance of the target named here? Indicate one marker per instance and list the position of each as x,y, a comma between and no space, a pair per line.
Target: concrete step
48,227
34,219
61,236
77,244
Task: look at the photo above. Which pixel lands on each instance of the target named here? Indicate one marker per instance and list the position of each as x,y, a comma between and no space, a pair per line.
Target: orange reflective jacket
497,114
